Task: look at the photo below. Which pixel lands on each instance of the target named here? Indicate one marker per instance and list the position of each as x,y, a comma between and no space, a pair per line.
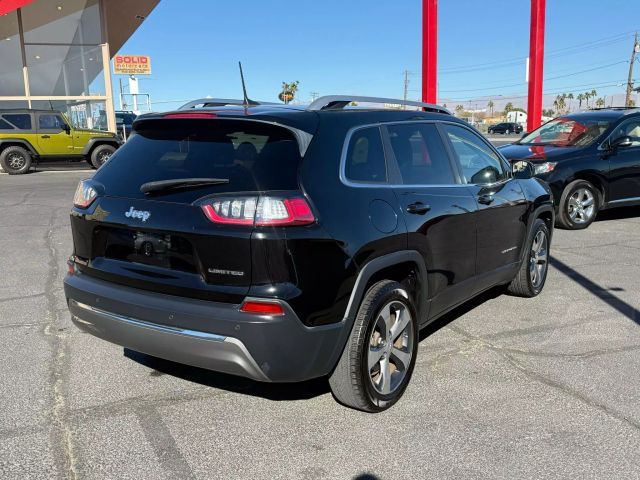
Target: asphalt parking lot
503,388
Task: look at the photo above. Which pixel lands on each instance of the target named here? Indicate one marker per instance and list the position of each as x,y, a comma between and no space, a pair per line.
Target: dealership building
55,54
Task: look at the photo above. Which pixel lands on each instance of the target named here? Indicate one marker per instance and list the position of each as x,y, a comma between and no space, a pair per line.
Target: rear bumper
211,335
201,349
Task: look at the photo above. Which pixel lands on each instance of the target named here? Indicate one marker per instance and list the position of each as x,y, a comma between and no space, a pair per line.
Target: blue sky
363,47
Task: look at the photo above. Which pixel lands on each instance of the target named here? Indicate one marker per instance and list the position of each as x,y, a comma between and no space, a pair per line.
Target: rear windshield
251,155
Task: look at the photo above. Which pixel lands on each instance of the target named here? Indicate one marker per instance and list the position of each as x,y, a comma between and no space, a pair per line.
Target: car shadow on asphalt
271,391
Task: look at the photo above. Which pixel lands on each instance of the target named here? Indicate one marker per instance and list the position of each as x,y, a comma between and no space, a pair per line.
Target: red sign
132,65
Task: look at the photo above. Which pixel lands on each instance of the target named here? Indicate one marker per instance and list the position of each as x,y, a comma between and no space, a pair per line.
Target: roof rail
220,102
337,102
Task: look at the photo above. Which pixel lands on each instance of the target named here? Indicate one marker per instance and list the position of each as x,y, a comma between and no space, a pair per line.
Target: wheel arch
405,266
96,142
18,142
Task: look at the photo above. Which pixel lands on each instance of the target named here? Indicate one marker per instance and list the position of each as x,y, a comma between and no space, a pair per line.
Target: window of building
19,120
365,160
480,164
420,154
11,79
62,21
65,70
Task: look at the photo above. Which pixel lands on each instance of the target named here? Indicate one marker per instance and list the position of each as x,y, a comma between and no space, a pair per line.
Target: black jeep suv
289,243
590,159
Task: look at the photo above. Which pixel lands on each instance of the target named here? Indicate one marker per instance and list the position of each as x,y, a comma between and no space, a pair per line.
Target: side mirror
621,142
67,129
522,170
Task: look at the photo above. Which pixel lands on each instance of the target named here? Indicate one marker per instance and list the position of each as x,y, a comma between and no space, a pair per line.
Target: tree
288,92
459,109
588,95
569,97
547,113
600,102
632,103
580,98
507,108
559,103
490,106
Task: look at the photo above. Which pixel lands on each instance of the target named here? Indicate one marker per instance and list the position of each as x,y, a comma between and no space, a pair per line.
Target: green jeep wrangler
27,136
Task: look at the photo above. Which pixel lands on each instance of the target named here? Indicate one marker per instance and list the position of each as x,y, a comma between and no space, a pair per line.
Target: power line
546,79
550,54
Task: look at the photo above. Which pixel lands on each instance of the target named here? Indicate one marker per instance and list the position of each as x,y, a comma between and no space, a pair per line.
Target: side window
50,122
628,129
4,125
420,154
480,164
20,120
365,160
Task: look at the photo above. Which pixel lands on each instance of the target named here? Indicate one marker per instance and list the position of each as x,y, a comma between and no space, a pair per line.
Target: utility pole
314,95
636,49
406,88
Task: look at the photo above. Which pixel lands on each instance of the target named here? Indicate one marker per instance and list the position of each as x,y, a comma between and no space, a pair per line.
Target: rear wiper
160,185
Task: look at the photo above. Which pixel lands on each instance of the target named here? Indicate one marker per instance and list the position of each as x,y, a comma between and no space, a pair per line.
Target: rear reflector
190,115
262,308
259,211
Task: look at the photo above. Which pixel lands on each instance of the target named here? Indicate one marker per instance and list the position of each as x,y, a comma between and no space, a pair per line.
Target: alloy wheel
390,348
538,262
16,161
581,206
103,157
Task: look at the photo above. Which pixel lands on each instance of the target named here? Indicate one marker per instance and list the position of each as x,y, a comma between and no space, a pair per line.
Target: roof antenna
246,100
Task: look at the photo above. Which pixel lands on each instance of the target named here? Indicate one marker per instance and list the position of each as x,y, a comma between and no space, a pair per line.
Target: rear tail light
259,211
262,308
85,194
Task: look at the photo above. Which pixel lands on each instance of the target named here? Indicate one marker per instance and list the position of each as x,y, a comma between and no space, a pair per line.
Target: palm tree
600,103
288,91
559,103
459,109
508,108
580,98
569,97
490,106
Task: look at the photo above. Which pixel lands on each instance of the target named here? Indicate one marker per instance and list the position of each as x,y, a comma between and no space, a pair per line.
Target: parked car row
286,243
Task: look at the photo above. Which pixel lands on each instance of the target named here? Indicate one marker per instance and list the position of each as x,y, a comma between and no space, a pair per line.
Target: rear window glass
20,120
251,155
5,125
365,160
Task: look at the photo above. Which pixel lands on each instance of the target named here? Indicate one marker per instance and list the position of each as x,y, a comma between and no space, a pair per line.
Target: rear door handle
45,136
418,208
485,199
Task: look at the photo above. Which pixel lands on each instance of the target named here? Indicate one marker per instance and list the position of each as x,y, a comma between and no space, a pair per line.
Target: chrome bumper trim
152,326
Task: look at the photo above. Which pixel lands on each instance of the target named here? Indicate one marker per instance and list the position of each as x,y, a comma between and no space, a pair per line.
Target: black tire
101,154
352,381
527,283
568,216
15,160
